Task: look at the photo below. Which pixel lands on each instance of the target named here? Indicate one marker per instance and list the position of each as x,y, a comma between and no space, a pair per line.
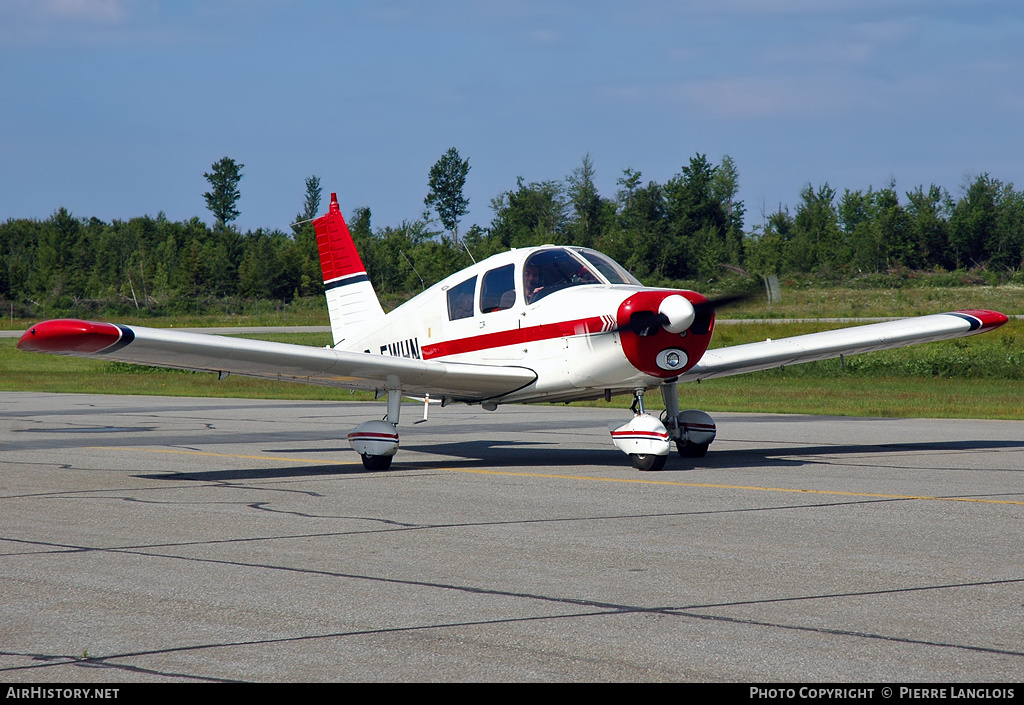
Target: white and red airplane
538,324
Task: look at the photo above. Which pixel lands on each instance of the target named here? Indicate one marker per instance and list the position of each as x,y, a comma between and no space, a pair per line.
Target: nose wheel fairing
648,440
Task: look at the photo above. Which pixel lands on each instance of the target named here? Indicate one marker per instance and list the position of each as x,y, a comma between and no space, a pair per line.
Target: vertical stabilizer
351,301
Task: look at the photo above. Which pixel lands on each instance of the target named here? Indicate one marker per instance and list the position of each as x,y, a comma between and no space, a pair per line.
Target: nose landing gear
648,440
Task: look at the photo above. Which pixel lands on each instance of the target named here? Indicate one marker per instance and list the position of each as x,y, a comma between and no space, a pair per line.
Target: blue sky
115,108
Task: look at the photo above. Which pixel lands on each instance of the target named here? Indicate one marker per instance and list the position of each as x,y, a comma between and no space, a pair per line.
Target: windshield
614,272
547,271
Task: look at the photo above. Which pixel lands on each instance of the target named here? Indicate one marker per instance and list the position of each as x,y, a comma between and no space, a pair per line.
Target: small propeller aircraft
537,324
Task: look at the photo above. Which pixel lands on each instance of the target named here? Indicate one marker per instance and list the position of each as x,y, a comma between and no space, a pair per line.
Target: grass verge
977,377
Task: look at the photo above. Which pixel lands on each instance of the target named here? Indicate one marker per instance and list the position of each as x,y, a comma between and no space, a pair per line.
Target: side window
498,289
460,300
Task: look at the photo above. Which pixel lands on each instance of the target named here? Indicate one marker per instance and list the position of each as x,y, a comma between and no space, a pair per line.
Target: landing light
671,359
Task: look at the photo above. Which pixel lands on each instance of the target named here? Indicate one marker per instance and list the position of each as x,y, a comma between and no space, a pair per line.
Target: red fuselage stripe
516,336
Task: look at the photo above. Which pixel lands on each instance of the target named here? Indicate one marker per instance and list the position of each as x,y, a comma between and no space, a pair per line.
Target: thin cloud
101,11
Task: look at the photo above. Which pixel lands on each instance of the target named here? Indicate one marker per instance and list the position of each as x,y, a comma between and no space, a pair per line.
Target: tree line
690,230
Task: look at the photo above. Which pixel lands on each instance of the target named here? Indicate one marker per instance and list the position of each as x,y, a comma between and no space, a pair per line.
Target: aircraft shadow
268,473
505,454
544,456
794,456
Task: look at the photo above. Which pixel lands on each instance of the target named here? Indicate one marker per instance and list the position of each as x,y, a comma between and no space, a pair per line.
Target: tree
310,208
223,193
816,235
973,224
533,214
586,203
629,180
725,186
929,219
447,178
693,207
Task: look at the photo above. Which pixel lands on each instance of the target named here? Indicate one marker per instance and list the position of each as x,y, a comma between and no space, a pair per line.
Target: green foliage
589,214
312,204
533,214
223,195
447,179
687,231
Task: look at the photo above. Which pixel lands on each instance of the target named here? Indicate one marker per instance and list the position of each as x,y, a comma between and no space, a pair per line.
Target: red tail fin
351,302
338,254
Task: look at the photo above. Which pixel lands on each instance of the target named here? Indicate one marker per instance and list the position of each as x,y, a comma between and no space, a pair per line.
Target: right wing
161,347
722,362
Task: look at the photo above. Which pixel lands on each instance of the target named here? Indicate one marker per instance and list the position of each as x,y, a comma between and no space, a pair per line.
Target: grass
846,302
304,312
977,377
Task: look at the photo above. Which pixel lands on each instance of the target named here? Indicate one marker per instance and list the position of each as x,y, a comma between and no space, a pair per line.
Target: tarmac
159,539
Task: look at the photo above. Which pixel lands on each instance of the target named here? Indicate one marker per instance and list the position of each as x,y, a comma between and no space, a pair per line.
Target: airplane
535,324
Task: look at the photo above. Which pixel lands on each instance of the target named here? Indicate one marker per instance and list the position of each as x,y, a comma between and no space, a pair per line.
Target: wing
268,360
751,357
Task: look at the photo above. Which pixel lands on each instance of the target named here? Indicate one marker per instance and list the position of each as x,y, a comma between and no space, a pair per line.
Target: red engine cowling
655,351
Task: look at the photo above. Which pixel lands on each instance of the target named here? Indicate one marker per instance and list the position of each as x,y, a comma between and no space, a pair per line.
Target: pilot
531,282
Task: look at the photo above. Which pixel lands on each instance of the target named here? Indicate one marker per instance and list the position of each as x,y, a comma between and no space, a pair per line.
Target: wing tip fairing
982,319
70,337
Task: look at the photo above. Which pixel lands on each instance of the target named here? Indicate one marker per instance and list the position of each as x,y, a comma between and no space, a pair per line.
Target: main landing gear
648,440
377,441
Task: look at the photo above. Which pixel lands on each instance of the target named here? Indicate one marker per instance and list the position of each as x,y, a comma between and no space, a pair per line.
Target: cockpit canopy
544,272
549,270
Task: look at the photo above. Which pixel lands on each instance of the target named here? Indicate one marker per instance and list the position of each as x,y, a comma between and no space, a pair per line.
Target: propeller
705,309
676,314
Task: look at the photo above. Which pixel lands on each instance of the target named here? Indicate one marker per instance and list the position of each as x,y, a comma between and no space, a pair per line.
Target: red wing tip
69,336
989,319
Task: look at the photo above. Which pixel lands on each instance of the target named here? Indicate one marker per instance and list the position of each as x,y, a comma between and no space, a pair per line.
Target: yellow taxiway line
550,476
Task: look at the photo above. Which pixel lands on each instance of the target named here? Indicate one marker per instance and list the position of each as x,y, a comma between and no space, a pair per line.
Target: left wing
722,362
280,361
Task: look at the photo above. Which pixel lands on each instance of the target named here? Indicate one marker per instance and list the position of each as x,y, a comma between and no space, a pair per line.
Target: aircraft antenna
422,285
468,252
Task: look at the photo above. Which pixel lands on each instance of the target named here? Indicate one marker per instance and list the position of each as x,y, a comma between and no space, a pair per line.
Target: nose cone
679,312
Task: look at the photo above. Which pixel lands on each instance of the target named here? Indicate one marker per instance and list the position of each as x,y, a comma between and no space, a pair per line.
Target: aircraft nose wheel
648,462
377,462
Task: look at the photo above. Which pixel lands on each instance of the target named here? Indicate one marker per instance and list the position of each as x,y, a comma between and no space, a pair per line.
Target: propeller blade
645,323
702,321
711,304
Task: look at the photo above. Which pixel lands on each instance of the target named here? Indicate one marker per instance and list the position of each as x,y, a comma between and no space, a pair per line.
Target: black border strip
127,338
975,322
345,282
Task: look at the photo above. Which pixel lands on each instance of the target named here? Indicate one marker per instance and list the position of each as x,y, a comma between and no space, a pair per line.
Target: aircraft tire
377,462
648,462
692,450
